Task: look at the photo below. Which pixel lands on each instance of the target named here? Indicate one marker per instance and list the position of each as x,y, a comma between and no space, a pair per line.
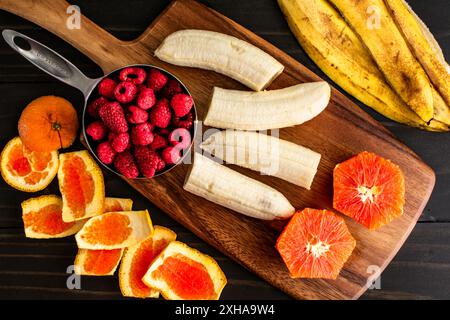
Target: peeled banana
230,189
247,110
391,53
423,45
222,53
266,154
339,52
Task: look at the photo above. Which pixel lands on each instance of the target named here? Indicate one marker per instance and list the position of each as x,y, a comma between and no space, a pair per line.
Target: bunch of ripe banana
380,52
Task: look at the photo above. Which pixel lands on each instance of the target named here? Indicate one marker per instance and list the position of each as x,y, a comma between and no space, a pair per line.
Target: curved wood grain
342,130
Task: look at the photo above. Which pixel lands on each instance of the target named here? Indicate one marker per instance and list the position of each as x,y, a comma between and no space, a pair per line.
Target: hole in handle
22,43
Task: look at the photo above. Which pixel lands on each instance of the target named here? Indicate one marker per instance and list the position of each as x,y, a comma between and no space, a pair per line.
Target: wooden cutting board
341,131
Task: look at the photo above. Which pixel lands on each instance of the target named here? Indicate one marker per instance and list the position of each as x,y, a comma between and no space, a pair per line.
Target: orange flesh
142,259
18,164
187,278
369,189
78,185
101,261
315,244
108,230
115,206
47,220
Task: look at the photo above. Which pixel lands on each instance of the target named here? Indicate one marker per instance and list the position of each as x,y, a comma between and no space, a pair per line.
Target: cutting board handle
60,18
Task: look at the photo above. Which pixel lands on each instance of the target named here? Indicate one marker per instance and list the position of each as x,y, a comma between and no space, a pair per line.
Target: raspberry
180,137
181,104
171,155
134,75
141,134
185,122
125,92
172,87
106,88
125,164
93,107
160,115
164,132
105,153
146,98
120,141
136,115
148,161
158,142
113,117
156,79
96,130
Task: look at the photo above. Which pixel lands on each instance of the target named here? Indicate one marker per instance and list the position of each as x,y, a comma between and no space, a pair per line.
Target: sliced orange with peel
97,262
81,185
315,244
42,218
136,261
183,273
117,204
115,230
27,170
369,189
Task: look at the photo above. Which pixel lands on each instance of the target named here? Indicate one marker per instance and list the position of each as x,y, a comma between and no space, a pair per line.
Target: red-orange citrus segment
183,273
117,204
136,261
369,189
81,185
27,170
42,218
315,244
115,230
97,262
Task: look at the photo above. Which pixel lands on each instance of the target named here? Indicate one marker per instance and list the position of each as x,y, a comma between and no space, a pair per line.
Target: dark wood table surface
37,268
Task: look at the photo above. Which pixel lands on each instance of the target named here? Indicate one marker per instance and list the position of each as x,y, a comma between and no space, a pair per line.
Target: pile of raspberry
141,122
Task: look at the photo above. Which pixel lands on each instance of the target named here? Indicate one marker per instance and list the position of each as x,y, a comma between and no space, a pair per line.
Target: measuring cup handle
49,61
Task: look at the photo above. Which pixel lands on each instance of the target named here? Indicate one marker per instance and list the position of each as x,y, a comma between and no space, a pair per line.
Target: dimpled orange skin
187,278
307,233
109,229
143,258
47,220
369,189
48,123
101,261
79,186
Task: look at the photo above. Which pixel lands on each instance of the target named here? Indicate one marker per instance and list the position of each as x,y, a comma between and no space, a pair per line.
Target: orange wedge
97,262
183,273
81,185
136,261
115,230
42,218
117,204
27,170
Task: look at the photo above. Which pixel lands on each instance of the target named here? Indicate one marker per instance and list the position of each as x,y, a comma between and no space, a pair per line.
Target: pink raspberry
161,115
158,142
148,161
141,134
172,87
125,92
185,122
171,155
105,153
180,137
146,98
156,79
113,117
92,108
136,115
106,88
134,75
120,141
96,130
125,164
181,104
